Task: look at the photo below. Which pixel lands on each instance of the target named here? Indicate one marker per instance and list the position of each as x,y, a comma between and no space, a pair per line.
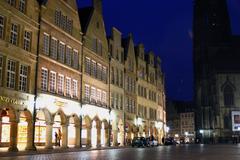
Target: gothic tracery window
228,96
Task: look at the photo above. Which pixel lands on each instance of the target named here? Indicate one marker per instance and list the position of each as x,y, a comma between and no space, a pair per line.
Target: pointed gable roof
85,15
126,42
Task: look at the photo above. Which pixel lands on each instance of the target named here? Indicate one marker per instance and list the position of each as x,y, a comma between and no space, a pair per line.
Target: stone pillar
77,136
30,144
122,138
88,144
64,136
0,130
13,136
48,144
106,131
98,135
115,137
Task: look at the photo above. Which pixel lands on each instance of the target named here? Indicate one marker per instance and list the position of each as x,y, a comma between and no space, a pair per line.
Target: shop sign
11,100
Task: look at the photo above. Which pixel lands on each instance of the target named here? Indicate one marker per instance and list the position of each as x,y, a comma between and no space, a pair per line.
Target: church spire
211,21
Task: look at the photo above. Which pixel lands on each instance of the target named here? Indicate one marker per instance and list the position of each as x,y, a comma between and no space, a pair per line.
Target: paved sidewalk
56,150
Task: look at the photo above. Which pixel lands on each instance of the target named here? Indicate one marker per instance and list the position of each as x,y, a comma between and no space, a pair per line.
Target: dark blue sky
166,28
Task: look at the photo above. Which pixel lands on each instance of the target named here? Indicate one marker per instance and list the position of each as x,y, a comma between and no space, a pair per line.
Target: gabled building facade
64,83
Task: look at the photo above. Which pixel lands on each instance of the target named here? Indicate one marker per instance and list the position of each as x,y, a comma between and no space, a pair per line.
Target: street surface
179,152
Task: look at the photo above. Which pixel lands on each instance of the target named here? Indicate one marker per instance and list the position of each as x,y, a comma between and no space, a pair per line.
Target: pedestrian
59,136
56,138
163,140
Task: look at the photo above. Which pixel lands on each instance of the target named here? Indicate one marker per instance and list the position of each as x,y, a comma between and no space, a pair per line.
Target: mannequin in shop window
56,138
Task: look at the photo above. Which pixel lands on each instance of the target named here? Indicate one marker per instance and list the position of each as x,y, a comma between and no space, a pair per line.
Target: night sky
164,27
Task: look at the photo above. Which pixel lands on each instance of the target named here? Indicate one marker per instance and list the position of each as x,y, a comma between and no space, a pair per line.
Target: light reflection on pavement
183,152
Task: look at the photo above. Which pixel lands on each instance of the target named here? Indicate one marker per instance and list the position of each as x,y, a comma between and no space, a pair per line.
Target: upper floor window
87,91
14,34
68,87
61,52
228,96
69,55
23,78
1,69
94,68
104,74
75,88
93,93
99,69
22,5
44,79
11,74
60,84
87,65
54,46
46,43
12,2
52,81
75,59
1,27
104,97
98,98
63,22
27,41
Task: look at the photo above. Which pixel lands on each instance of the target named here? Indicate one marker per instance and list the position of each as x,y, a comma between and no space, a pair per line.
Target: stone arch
98,122
47,115
87,121
63,117
10,112
9,120
105,122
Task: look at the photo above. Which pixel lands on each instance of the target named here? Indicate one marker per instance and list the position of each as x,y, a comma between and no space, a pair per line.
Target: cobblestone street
184,152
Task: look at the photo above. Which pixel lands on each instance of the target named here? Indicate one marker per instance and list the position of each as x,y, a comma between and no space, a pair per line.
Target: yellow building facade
64,83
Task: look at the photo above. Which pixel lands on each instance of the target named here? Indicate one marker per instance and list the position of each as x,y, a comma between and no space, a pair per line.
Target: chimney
97,5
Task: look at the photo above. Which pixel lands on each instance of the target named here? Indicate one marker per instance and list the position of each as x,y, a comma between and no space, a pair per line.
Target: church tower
211,28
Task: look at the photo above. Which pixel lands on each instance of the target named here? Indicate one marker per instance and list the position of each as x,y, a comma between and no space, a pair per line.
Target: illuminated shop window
14,34
40,128
11,74
44,79
23,78
5,136
27,41
52,82
60,84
